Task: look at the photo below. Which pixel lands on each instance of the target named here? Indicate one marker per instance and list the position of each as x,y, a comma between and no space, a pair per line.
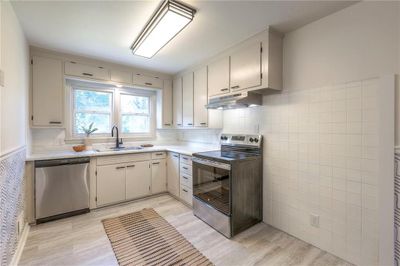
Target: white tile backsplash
320,157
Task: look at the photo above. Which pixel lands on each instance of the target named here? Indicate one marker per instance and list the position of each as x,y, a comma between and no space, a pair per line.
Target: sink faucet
117,141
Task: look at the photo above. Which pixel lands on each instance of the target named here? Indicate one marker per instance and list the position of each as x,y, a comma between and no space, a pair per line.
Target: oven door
211,184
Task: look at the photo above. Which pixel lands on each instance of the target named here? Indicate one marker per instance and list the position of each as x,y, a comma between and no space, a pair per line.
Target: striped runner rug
145,238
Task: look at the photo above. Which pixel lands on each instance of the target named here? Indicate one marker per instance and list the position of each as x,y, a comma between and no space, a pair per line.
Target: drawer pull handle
55,122
190,124
203,123
159,154
184,177
184,190
120,167
167,124
131,166
224,89
235,87
185,168
179,124
148,83
157,163
87,74
185,158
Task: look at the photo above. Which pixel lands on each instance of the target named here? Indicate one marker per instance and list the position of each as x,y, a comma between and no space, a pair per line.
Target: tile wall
11,202
320,158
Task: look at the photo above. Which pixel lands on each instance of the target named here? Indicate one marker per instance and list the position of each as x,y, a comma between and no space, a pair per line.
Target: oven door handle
212,163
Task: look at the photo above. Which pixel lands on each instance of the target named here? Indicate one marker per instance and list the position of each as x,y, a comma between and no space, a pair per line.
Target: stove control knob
222,137
251,139
256,140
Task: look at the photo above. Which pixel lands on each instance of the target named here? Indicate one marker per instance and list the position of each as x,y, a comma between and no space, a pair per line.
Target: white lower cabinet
185,179
158,176
110,184
173,173
138,179
186,194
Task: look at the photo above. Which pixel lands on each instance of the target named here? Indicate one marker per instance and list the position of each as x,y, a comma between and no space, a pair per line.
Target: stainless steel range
227,184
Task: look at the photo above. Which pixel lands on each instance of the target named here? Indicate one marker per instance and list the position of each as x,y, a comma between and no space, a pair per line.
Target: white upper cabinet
166,115
177,102
187,100
200,94
147,81
80,70
218,77
121,76
246,67
47,92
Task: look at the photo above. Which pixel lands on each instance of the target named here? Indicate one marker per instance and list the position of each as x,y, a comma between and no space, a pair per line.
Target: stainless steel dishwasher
61,188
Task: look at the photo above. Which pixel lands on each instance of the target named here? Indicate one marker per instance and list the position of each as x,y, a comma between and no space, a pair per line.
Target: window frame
115,117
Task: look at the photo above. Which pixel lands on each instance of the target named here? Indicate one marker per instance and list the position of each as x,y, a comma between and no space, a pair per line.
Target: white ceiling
106,29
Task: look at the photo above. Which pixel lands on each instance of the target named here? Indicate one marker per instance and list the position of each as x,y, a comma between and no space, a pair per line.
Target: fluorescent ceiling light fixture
170,18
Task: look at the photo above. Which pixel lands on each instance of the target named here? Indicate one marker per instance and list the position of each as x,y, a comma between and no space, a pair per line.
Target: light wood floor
81,240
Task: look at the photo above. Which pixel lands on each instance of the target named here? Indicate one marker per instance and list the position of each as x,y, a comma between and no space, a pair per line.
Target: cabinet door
218,77
187,100
173,173
121,76
47,92
138,179
167,104
147,81
110,184
86,71
177,102
246,67
200,94
158,176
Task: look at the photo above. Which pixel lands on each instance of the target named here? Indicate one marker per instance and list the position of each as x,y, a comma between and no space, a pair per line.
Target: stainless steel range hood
235,101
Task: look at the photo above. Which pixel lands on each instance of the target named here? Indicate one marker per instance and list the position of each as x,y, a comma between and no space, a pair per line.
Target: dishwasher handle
58,162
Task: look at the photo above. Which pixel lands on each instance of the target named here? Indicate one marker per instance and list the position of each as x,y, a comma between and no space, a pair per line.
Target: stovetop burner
226,155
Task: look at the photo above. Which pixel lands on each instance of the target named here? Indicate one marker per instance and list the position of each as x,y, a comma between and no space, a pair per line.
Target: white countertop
182,148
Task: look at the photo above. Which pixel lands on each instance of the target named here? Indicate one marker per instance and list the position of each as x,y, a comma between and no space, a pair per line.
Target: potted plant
88,131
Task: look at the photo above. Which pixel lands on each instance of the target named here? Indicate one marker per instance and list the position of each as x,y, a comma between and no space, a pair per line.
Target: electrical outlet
314,220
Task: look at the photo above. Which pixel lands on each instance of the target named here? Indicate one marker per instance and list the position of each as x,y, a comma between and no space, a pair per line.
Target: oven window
212,185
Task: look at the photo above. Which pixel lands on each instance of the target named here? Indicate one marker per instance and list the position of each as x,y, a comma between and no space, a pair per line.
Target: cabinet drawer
94,72
186,194
186,180
186,169
158,155
186,159
147,81
123,158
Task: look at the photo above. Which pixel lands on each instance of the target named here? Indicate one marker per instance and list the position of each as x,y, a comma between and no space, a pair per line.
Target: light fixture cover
170,18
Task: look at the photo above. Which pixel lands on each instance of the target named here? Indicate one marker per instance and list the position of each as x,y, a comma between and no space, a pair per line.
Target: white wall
361,41
15,58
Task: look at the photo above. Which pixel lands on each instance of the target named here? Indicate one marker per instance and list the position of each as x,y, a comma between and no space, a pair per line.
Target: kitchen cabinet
177,102
185,179
245,67
186,194
121,76
187,100
158,176
200,115
138,179
167,104
147,81
80,70
110,184
47,92
218,77
173,173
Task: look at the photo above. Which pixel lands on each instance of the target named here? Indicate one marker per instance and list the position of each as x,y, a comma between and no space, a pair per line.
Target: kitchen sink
120,149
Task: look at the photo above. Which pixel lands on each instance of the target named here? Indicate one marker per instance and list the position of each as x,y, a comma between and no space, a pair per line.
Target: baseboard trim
21,244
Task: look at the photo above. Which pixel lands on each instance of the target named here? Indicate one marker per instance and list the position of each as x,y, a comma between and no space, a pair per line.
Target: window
135,113
92,106
131,109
